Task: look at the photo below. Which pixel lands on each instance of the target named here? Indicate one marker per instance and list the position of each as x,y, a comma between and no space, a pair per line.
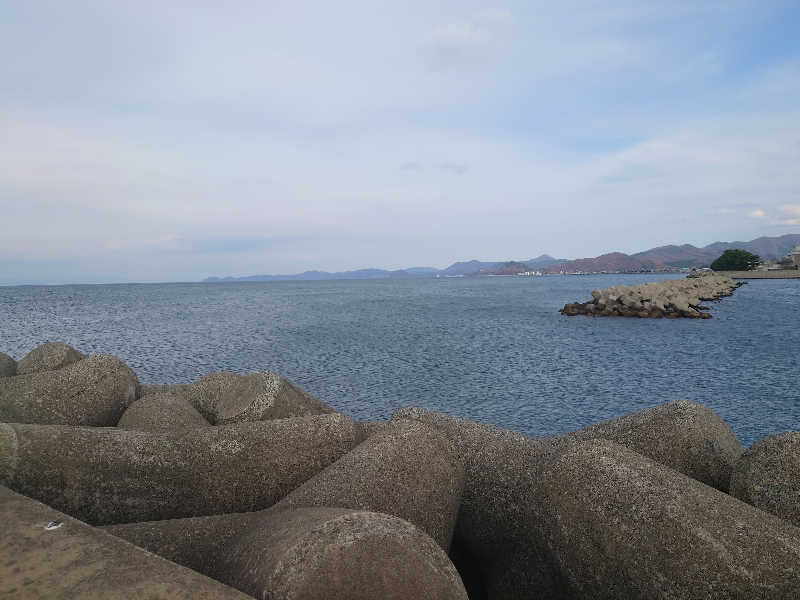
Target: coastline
784,274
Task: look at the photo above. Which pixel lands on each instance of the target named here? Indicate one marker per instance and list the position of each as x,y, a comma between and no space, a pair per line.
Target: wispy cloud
465,42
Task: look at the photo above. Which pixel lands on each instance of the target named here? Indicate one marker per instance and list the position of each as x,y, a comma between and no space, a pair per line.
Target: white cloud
757,214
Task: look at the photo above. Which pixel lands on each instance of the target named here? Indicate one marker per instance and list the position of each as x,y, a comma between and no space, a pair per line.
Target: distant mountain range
613,262
324,275
477,267
667,258
663,258
456,269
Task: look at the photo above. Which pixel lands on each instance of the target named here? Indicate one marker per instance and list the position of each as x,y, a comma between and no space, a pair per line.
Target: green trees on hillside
736,260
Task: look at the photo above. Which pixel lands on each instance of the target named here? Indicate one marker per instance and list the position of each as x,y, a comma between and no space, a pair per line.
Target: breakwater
246,486
665,299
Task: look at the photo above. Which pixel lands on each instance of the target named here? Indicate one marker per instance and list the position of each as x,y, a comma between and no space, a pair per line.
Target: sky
171,141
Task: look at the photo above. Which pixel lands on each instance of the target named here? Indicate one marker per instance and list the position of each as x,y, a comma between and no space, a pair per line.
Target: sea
492,349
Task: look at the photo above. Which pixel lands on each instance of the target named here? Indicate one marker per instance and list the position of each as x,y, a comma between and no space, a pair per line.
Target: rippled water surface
495,350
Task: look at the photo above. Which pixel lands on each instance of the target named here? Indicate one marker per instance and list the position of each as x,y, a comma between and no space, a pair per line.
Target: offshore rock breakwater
670,299
240,486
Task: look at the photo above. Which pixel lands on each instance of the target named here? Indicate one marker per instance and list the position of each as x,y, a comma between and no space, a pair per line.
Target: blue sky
156,141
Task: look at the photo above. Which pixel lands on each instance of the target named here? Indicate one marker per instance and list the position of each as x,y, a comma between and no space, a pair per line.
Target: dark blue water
495,350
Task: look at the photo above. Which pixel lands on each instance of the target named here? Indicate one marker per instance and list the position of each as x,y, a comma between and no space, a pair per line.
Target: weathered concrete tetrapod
8,366
47,554
341,554
307,554
371,428
94,391
161,411
622,526
688,437
497,544
409,470
179,389
48,357
768,476
112,475
225,398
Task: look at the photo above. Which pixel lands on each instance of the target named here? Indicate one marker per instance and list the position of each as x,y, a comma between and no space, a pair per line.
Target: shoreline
784,274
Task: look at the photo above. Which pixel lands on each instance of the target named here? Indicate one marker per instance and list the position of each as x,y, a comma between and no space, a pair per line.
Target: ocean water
495,350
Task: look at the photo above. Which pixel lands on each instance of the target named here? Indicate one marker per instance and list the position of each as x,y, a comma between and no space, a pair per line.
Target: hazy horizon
368,267
170,142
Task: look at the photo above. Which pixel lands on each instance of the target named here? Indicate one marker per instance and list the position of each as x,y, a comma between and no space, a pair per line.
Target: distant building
790,261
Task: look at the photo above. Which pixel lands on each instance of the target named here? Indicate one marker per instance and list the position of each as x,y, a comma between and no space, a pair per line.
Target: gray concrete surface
161,411
94,391
47,554
113,475
48,357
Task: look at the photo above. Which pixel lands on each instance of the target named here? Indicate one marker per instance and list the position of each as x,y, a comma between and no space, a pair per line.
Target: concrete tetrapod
46,554
409,470
48,357
199,543
113,475
497,540
94,391
622,526
161,411
768,476
497,544
306,554
341,554
688,437
8,366
371,428
225,398
178,389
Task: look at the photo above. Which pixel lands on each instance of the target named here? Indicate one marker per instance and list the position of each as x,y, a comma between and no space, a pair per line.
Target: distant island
663,259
